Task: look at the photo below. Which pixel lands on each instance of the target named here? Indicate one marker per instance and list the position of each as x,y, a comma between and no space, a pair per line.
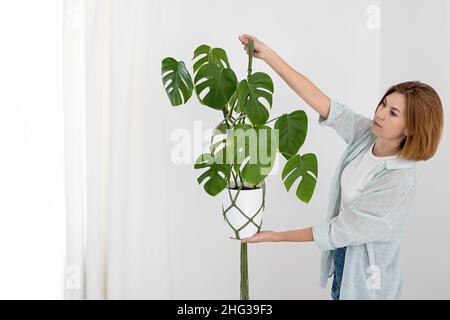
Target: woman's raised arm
296,81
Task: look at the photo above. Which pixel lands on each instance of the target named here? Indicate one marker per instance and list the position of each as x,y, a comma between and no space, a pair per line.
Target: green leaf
232,152
176,80
220,83
292,131
217,175
305,167
220,132
220,129
252,150
216,56
258,86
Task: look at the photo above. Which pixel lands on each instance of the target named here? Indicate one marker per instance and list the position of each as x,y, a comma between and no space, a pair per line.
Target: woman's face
389,119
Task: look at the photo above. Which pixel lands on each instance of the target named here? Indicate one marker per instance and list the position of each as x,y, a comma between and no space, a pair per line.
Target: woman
374,183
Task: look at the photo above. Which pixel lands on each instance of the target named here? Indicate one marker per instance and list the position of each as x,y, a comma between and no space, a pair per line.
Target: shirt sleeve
370,217
345,121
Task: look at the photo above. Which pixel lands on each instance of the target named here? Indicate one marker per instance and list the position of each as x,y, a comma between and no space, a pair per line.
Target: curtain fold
124,224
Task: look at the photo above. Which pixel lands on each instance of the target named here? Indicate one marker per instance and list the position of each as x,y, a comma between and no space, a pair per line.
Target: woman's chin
374,130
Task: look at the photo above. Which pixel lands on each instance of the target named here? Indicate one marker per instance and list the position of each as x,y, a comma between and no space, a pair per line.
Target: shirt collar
395,163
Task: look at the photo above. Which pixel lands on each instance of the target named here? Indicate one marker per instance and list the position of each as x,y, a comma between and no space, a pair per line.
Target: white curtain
116,190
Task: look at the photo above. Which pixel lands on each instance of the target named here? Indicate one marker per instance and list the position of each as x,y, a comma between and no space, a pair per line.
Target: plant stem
241,116
234,177
225,118
240,179
230,113
272,120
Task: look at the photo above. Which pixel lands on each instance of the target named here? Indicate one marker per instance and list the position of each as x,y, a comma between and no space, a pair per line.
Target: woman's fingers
245,38
262,236
259,48
259,237
246,240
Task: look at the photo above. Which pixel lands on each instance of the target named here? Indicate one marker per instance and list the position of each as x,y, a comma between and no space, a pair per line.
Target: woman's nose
381,113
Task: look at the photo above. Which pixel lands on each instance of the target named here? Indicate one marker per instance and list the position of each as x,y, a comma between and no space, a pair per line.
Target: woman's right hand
260,49
262,236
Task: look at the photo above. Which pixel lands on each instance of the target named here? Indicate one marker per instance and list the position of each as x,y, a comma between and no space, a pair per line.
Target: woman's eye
393,113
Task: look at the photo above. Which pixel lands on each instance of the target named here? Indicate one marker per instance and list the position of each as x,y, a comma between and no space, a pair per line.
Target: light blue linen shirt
371,226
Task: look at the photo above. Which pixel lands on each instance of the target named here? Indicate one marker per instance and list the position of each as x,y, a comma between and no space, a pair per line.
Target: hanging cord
244,285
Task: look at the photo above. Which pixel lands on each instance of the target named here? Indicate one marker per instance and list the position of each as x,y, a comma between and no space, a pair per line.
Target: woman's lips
376,123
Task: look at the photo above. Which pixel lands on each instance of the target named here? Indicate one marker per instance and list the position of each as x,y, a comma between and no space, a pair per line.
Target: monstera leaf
217,174
176,80
252,150
219,83
258,86
292,130
305,167
215,56
218,137
258,167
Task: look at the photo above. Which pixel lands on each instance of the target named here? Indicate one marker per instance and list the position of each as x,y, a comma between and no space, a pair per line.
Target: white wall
333,44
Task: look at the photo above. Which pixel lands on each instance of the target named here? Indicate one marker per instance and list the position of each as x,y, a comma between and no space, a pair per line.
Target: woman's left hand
262,236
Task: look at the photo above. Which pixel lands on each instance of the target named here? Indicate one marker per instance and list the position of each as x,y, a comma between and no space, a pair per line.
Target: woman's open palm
262,236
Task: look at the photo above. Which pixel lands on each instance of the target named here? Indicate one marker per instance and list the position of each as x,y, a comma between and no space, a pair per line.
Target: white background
331,42
32,206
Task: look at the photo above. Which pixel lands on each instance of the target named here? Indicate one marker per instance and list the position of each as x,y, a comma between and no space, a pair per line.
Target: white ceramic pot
251,203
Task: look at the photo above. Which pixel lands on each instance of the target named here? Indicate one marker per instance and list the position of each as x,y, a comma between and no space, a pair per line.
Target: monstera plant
243,145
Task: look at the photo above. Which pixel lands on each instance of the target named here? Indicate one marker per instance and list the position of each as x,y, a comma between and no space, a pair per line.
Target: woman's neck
385,148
